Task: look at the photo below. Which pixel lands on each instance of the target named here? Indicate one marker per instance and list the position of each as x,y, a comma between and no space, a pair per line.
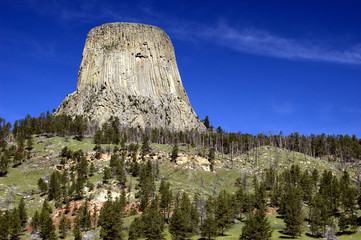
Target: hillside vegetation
189,173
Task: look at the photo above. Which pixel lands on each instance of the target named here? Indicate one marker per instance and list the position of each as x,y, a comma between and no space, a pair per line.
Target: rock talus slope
129,70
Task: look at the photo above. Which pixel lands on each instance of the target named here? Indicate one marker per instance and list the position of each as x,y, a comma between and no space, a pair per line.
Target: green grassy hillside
21,182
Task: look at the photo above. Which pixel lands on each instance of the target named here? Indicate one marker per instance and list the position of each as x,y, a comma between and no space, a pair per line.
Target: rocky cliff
129,70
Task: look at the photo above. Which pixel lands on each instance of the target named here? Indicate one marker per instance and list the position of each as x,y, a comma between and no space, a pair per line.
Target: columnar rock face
129,70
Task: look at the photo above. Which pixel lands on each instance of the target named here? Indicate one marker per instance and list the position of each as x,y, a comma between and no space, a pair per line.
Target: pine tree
152,221
206,122
145,147
64,226
47,228
209,227
4,162
107,174
79,187
15,224
91,169
120,173
35,221
174,155
43,187
259,195
319,215
185,206
54,186
136,229
76,230
144,199
29,143
348,196
5,220
22,212
343,222
223,211
82,167
98,137
293,217
95,217
257,227
178,226
314,177
211,158
165,199
110,221
194,215
116,136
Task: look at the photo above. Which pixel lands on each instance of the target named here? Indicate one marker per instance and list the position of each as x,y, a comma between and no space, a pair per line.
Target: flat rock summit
129,70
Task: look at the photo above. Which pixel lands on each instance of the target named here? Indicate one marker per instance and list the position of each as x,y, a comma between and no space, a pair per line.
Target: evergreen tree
145,147
91,169
211,158
79,187
98,137
35,221
4,162
348,197
174,155
134,169
82,167
110,221
319,215
206,122
47,228
120,171
5,220
257,227
22,212
43,187
194,215
314,177
293,217
209,227
18,157
76,229
165,199
178,226
223,211
95,217
116,136
64,226
54,186
307,186
107,174
15,224
186,208
152,222
113,162
136,229
259,195
29,143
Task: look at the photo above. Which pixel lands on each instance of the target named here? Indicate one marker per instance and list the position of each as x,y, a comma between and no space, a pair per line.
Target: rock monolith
129,70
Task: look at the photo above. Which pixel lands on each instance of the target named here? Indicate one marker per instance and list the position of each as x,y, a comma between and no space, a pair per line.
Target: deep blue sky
251,66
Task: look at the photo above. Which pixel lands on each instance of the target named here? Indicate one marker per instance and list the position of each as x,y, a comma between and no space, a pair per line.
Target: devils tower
129,70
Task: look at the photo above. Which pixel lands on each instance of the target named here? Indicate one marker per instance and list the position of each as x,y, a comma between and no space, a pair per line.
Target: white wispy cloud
283,108
264,43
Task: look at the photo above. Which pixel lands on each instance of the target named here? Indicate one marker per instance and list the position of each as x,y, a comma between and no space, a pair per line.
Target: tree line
342,148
